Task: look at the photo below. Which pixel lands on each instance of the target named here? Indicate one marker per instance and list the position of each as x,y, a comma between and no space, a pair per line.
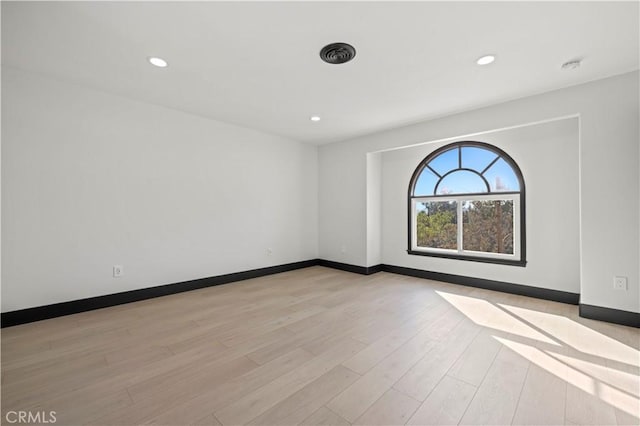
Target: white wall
374,208
90,180
609,142
547,155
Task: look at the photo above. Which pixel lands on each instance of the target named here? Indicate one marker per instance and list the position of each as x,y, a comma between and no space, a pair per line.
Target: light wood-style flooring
319,346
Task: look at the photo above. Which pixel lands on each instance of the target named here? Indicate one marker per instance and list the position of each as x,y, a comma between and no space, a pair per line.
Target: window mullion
460,236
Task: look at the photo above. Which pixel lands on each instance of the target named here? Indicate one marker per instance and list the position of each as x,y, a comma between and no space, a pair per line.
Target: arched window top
466,168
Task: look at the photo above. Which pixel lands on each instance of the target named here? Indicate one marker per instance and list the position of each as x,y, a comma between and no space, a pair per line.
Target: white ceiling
257,64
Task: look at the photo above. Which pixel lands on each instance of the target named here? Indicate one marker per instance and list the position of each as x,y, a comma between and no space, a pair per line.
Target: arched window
467,201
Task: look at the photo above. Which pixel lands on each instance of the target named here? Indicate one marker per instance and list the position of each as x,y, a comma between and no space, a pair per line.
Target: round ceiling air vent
337,53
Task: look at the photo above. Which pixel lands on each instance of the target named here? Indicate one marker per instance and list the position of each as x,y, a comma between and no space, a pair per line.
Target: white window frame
460,199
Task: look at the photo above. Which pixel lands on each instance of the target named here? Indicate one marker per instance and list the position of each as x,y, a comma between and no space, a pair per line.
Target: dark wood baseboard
616,316
363,270
38,313
505,287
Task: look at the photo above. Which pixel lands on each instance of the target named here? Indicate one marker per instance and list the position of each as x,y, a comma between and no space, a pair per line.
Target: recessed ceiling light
314,118
486,60
158,62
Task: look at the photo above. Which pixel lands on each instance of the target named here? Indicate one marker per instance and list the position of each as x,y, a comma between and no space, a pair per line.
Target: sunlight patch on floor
584,358
585,382
577,335
488,315
626,382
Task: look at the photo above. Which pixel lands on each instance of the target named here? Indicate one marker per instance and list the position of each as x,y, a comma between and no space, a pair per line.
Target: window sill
509,262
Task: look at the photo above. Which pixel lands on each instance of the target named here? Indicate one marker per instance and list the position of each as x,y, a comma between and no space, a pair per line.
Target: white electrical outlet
620,283
343,249
118,271
269,252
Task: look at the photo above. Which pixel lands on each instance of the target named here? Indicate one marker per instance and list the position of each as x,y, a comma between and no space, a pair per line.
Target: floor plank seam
325,406
515,411
477,388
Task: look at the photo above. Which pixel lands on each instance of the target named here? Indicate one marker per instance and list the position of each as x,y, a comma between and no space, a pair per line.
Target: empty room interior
320,213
